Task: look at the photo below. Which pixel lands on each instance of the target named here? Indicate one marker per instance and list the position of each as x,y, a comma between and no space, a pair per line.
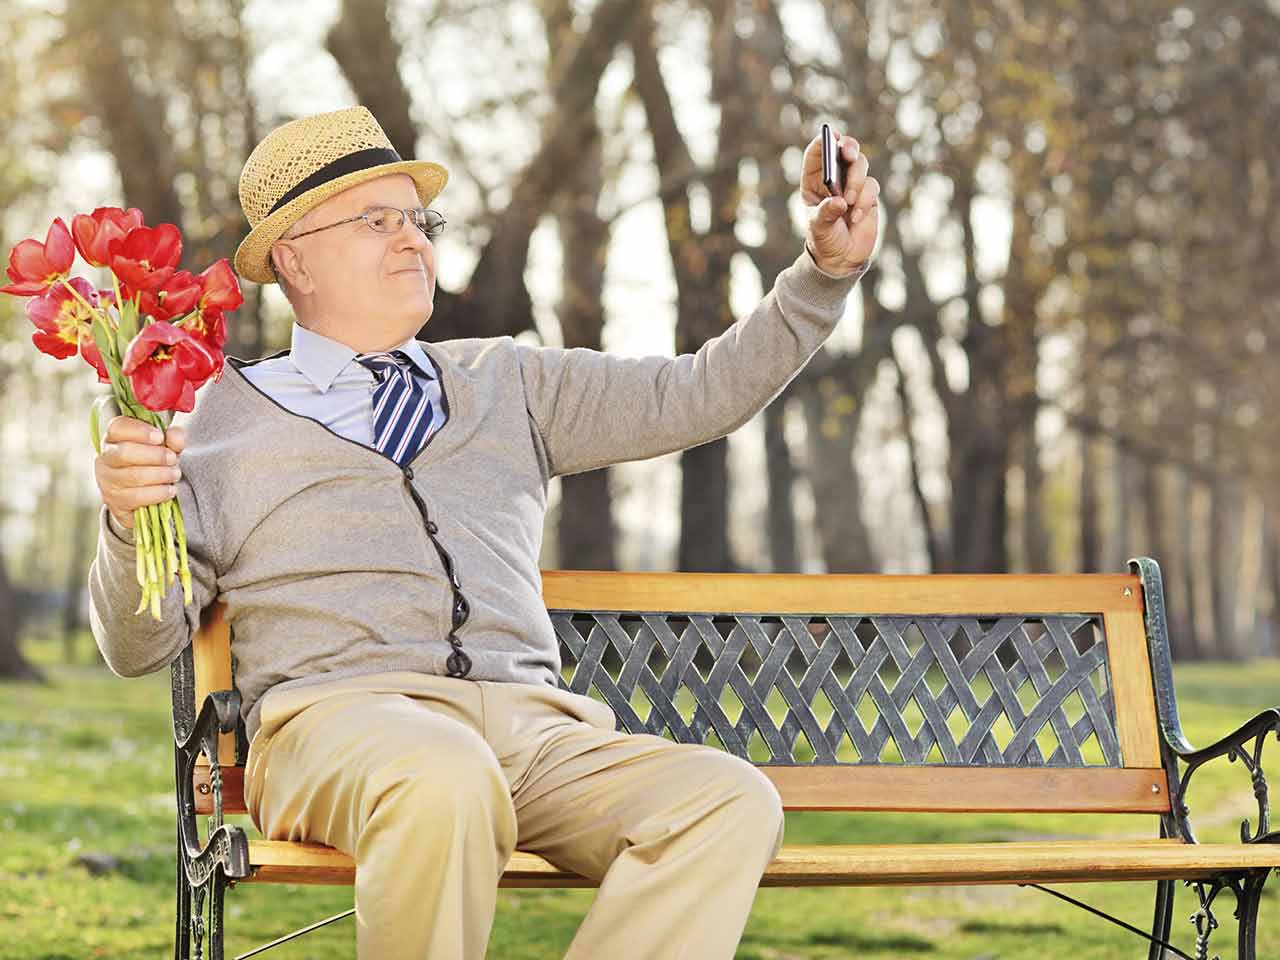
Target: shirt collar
321,359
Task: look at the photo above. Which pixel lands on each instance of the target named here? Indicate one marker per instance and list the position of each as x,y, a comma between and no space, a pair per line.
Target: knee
754,802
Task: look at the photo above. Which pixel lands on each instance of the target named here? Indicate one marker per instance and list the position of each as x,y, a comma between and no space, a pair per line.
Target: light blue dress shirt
321,379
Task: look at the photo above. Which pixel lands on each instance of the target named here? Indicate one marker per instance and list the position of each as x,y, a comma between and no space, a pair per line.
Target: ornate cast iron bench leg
205,872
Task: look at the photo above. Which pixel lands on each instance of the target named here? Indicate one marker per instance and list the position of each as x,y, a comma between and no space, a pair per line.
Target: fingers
130,499
832,209
138,465
137,454
175,439
855,178
812,189
868,199
131,428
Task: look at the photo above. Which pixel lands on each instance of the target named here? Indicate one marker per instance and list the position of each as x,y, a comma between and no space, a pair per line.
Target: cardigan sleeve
592,409
134,644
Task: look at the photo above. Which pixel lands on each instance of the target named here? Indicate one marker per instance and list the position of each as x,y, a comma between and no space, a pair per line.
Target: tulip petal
59,250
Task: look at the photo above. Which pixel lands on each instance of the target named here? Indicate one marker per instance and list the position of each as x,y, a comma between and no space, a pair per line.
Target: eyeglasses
390,220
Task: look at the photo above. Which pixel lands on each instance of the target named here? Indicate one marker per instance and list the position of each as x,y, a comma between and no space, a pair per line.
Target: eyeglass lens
391,219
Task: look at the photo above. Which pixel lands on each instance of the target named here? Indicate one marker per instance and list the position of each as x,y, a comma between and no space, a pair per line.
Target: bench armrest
1245,745
227,846
1230,745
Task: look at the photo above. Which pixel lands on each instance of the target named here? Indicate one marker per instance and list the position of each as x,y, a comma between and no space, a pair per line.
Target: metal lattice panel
1018,691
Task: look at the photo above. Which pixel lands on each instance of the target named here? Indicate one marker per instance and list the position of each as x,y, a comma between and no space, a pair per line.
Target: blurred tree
21,116
585,533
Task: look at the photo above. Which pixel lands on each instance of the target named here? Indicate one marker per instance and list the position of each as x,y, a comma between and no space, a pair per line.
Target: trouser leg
415,796
677,835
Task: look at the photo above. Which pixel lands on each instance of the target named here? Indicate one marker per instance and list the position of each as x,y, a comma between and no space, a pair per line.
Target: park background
1062,358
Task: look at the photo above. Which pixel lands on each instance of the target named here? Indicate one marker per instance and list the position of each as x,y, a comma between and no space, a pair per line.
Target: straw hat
308,160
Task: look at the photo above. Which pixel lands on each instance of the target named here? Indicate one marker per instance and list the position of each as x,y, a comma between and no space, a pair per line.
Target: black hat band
352,162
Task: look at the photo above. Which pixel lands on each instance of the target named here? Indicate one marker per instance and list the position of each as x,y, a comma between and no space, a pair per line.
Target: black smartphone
834,165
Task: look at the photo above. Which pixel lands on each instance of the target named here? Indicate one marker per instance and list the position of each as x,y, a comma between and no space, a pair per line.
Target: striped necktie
402,411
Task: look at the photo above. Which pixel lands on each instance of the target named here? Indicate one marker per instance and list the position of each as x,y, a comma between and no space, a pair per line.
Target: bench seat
867,865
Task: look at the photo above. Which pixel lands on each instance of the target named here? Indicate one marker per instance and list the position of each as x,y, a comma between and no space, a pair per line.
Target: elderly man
370,507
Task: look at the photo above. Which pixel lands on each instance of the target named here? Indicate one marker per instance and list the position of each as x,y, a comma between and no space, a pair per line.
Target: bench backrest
852,692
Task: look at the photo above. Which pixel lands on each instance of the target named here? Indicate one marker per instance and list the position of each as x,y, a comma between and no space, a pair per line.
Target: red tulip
176,297
147,256
95,232
166,365
219,288
210,328
35,266
64,325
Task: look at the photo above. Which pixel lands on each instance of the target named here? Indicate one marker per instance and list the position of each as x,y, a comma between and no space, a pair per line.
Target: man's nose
411,237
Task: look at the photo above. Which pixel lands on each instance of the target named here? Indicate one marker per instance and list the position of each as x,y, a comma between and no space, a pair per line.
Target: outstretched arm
592,409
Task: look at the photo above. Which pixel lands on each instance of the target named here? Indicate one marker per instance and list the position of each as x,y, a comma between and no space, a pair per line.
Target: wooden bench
1045,694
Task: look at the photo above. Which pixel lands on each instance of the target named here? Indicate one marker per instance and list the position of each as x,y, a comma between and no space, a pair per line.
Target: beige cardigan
323,553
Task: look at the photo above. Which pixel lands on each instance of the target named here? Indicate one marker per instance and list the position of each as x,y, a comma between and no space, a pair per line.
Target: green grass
84,769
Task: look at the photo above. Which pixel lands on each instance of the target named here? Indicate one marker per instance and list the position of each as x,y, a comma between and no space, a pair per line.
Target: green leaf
102,337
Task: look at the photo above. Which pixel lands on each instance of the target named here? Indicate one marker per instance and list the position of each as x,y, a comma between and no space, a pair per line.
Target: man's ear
290,266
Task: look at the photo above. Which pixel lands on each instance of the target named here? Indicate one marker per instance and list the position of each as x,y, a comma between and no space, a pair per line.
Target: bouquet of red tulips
155,335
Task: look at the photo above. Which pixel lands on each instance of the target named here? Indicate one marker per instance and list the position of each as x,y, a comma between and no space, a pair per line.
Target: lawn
87,860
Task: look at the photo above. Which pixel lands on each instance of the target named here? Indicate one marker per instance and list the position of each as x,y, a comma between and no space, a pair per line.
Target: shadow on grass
897,942
1017,929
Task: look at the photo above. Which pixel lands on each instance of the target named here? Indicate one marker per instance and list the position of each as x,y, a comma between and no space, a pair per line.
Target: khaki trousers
430,783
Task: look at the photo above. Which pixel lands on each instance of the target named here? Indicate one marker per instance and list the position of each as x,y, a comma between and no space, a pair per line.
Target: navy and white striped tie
402,411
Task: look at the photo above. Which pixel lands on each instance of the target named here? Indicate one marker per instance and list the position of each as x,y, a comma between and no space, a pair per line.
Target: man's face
368,289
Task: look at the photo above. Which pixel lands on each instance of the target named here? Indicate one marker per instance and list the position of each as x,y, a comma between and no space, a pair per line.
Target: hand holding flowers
156,335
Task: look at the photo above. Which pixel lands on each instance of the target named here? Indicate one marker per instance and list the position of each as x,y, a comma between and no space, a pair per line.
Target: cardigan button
408,473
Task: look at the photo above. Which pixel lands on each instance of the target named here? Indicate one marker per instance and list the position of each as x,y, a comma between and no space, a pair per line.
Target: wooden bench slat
1130,674
919,595
908,788
1061,861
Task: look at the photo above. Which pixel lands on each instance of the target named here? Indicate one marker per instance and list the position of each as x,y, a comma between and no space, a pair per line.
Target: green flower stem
184,569
142,543
157,544
139,556
157,540
115,285
162,547
170,550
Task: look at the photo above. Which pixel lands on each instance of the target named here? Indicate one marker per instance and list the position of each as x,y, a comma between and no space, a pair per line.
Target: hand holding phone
843,235
834,166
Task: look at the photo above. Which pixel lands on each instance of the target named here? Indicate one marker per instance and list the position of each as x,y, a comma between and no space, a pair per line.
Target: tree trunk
496,301
1226,512
701,265
1035,535
84,518
934,547
832,421
13,665
584,534
780,477
1122,516
1090,538
1157,545
363,43
132,118
1192,567
978,468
